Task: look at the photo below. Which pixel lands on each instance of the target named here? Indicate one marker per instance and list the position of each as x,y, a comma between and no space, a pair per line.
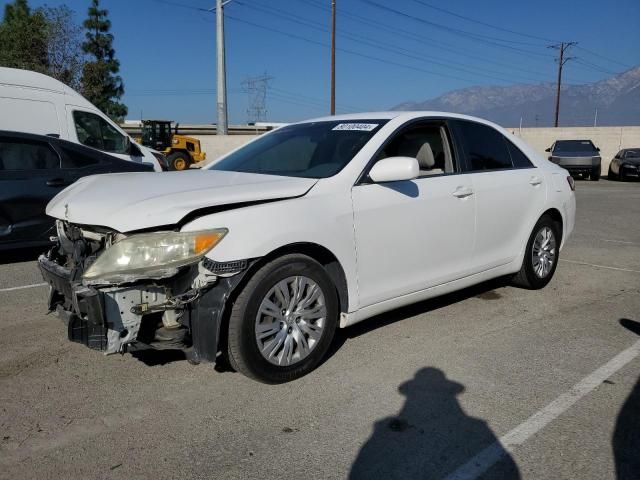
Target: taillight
572,183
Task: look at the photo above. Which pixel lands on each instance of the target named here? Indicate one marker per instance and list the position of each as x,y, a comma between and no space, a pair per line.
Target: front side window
17,154
485,148
311,150
94,131
427,143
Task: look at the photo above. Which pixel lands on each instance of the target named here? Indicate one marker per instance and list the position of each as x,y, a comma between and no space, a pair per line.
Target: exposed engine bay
176,308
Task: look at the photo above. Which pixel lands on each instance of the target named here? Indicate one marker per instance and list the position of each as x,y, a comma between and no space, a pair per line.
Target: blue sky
389,52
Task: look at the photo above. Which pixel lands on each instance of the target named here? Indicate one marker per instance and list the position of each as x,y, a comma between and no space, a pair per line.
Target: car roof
405,115
27,78
574,140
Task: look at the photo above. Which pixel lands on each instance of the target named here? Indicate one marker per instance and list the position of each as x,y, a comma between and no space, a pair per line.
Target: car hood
133,201
575,154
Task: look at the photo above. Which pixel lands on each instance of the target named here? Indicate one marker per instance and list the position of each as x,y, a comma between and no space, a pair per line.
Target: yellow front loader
181,151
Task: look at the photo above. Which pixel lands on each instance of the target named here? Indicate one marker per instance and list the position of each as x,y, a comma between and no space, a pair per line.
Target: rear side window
484,147
77,158
94,131
519,159
17,154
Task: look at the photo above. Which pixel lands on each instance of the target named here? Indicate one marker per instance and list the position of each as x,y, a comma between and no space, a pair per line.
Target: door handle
56,182
462,192
535,181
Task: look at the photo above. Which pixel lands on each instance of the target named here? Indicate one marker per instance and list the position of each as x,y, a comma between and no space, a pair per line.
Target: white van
35,103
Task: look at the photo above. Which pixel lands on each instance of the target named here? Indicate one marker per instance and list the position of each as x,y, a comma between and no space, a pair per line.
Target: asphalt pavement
490,382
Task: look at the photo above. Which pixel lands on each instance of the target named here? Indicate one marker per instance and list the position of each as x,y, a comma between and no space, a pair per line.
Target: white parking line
601,266
34,285
491,455
625,242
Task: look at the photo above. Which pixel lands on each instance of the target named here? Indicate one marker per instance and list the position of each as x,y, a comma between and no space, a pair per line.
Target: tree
64,45
23,38
101,84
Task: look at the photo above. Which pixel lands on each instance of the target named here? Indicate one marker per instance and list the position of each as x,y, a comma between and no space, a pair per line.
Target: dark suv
578,156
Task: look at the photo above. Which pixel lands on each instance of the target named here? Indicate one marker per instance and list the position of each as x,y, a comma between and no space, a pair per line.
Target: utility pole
333,57
562,47
221,125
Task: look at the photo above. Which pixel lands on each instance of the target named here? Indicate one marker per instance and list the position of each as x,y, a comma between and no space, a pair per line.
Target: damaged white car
314,226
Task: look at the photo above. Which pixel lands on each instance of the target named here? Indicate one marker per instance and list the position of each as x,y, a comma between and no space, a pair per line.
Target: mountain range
617,100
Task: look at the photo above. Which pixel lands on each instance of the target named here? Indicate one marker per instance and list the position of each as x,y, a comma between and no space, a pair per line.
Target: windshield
311,150
574,146
632,154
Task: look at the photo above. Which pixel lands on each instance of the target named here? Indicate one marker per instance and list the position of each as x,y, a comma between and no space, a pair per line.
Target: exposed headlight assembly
151,255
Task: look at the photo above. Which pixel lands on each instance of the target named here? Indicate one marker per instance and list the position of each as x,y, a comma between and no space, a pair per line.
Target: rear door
30,176
510,193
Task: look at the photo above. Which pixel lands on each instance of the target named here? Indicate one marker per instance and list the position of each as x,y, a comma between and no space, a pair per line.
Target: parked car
310,227
625,165
33,169
578,156
35,103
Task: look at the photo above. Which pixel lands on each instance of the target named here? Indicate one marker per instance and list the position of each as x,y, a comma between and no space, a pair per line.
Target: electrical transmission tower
256,88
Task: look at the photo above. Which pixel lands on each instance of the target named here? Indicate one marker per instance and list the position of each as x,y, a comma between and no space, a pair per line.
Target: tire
527,276
179,161
611,175
246,318
595,174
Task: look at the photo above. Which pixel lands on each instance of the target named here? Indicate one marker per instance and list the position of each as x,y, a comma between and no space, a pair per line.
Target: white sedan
313,226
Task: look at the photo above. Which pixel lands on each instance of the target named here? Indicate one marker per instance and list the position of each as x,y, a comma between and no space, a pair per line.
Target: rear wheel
179,161
282,323
540,256
595,174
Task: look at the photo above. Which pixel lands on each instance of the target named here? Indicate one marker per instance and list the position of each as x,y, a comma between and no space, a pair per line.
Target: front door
412,235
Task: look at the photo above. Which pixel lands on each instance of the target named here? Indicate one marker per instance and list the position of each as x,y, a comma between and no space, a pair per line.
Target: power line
499,42
625,65
350,52
479,22
425,40
390,47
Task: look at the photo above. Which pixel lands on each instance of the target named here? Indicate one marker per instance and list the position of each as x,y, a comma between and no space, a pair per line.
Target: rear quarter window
519,159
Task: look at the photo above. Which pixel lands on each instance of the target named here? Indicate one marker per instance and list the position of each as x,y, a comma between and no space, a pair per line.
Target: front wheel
610,174
179,161
540,256
283,321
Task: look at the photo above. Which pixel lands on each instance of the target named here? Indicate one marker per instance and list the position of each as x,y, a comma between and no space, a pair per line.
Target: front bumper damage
183,312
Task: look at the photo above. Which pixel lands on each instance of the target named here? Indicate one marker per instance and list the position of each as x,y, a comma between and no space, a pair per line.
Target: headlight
151,255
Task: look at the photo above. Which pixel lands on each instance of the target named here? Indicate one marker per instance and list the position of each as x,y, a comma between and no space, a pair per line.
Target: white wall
609,139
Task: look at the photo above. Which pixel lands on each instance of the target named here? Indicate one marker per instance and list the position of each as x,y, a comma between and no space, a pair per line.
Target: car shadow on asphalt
21,255
485,291
430,437
626,435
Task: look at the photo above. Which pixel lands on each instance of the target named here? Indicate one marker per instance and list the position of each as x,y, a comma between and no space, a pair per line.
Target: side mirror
547,149
597,149
394,169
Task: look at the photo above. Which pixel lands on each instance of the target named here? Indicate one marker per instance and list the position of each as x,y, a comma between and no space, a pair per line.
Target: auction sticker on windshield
361,127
